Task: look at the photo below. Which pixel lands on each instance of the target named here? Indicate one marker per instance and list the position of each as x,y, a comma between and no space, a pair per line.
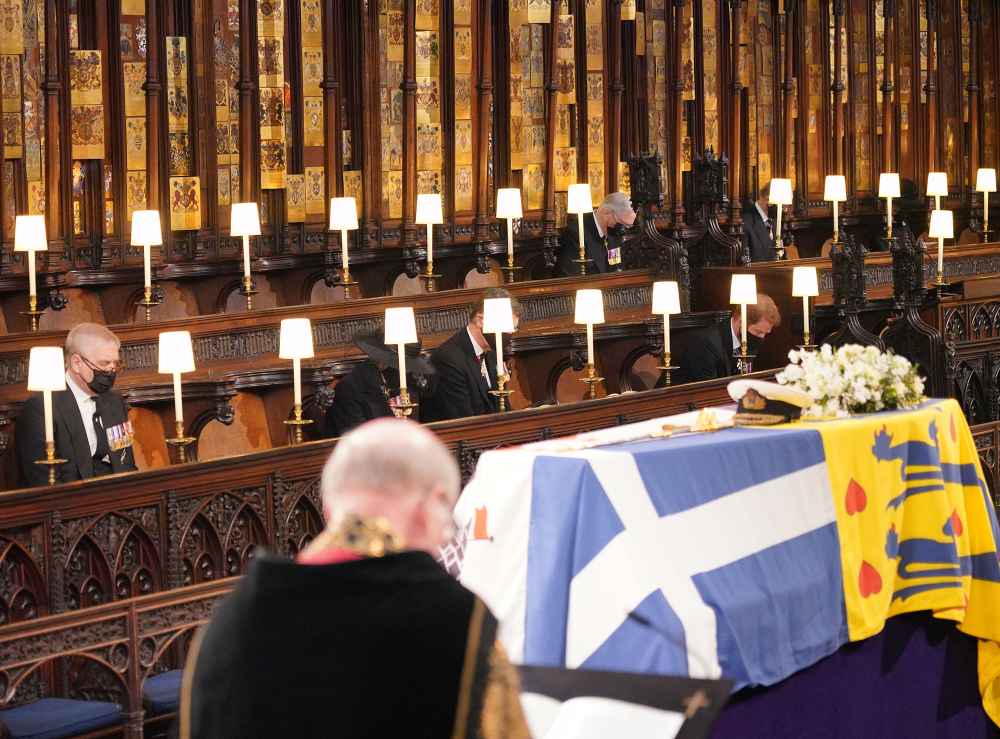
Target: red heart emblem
869,581
956,524
856,500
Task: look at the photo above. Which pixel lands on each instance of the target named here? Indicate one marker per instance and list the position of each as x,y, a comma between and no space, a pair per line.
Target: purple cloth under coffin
916,679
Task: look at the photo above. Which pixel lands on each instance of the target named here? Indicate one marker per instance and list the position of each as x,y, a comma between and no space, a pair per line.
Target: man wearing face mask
709,353
614,214
90,421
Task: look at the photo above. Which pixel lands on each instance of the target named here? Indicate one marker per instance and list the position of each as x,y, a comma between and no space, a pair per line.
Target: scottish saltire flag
750,553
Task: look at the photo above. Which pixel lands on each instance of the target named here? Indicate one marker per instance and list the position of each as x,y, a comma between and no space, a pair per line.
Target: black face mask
103,380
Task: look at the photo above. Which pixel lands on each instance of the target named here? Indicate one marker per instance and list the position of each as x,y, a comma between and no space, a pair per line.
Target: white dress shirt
600,228
479,356
87,404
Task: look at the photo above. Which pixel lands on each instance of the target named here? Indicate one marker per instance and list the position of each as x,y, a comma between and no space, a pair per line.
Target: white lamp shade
986,180
578,199
937,184
589,306
244,220
497,316
780,192
343,214
400,326
176,354
296,339
888,185
666,298
835,188
743,290
146,228
45,369
429,209
942,225
805,282
29,234
509,203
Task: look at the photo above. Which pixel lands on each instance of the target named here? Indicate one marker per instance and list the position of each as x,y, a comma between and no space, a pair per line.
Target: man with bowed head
364,635
90,421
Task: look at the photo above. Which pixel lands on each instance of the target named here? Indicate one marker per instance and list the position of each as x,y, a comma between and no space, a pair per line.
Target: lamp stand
666,368
148,302
248,290
746,360
404,408
297,422
51,461
180,442
510,271
33,313
592,381
779,243
429,278
502,393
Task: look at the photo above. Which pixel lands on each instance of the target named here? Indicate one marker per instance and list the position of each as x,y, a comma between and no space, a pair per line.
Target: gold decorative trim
468,670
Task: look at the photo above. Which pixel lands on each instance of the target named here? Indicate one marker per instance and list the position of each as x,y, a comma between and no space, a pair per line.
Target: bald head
398,470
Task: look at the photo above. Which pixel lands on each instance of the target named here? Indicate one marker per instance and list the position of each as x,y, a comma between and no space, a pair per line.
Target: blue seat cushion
162,693
53,718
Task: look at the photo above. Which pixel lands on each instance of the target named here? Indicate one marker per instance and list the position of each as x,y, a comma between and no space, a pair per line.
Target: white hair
387,457
617,202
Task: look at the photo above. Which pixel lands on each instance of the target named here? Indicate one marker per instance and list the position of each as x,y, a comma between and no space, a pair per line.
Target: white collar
597,222
763,213
475,345
736,339
79,393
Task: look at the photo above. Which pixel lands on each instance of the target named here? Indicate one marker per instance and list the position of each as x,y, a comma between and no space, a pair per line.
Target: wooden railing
106,652
85,543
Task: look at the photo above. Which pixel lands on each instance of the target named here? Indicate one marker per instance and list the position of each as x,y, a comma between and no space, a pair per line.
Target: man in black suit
758,229
90,422
466,369
371,389
614,211
708,353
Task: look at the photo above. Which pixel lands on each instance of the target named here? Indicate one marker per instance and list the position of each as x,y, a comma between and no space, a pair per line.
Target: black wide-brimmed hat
386,355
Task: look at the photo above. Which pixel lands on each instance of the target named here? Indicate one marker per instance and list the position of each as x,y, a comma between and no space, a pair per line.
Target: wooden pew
110,650
962,262
84,543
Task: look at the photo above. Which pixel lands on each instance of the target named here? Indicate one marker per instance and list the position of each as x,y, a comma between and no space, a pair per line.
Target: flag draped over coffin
750,553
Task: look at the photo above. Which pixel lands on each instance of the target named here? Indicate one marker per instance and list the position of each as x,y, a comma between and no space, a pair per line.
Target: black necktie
103,450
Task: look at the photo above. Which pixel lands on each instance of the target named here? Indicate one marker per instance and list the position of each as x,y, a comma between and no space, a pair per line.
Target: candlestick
836,222
986,212
499,337
592,381
346,274
666,333
147,277
176,356
178,399
743,328
51,460
246,256
942,226
579,200
297,380
805,319
32,286
401,348
888,213
590,343
297,421
47,404
510,242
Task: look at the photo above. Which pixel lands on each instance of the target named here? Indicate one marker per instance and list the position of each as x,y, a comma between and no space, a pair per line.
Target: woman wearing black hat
370,389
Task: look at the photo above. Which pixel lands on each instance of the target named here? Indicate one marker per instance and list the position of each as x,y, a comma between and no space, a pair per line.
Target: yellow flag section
917,529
